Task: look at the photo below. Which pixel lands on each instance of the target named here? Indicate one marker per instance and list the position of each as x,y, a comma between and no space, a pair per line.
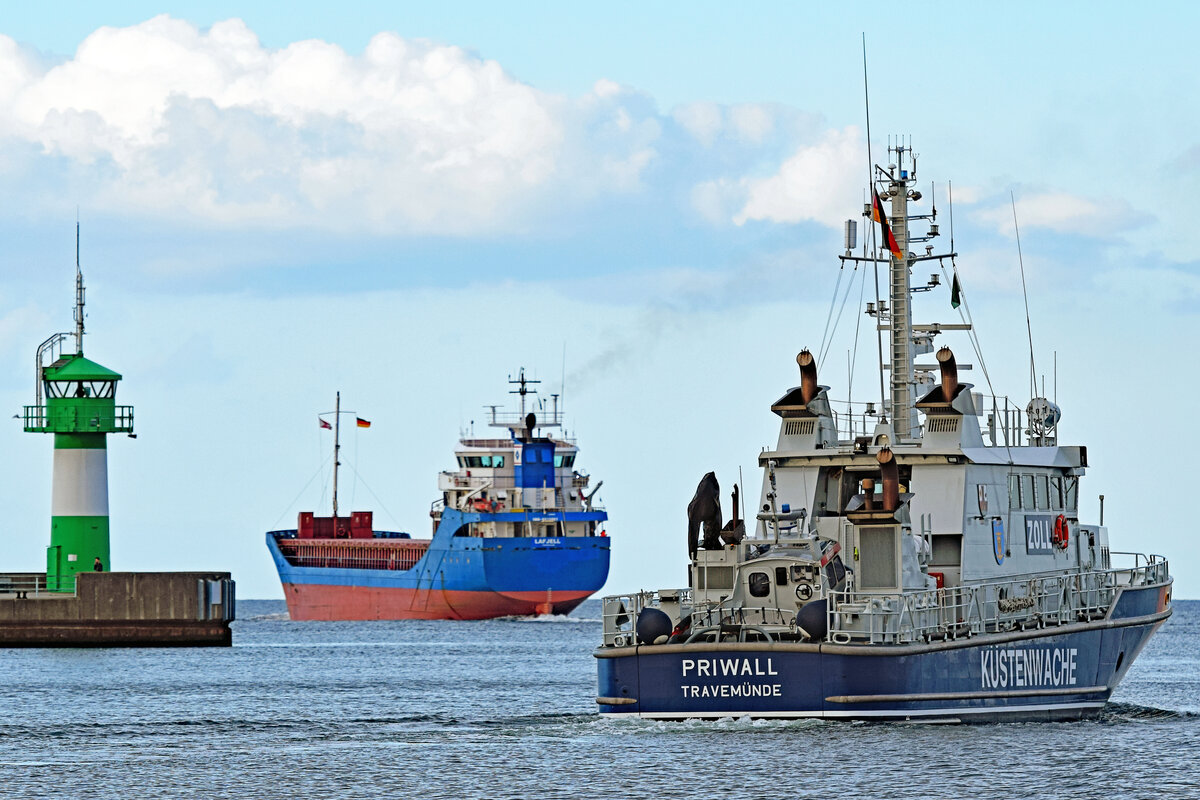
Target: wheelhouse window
760,584
835,571
564,459
781,576
1071,490
1041,491
1056,493
1014,491
1027,491
481,462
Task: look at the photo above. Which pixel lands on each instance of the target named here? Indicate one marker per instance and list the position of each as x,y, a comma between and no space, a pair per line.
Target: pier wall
115,609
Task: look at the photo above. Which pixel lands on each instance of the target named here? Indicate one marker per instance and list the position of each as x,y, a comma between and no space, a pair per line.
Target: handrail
1017,602
741,633
25,584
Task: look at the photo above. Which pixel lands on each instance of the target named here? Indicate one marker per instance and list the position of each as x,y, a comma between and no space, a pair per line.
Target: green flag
955,293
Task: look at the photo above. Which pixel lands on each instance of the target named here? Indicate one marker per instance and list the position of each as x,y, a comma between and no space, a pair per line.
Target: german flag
362,423
881,218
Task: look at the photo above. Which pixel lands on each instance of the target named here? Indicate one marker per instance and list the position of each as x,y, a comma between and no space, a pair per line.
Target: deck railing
1016,603
395,554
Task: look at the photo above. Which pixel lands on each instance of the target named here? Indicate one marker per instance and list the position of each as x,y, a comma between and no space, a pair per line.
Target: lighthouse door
53,566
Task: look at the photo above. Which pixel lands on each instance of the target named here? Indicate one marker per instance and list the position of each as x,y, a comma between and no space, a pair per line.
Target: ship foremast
897,184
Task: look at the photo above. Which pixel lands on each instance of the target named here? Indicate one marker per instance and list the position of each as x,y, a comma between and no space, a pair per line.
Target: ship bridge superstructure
526,484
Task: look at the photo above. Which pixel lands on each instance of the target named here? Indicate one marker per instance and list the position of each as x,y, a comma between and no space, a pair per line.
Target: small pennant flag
362,423
955,293
888,239
324,424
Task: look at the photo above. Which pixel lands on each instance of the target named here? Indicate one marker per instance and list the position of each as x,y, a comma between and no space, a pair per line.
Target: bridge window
835,571
1014,491
1056,498
1071,490
1041,491
760,584
481,462
564,459
781,576
1027,491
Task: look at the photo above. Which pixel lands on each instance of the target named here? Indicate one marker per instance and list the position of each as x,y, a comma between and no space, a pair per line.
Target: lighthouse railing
116,419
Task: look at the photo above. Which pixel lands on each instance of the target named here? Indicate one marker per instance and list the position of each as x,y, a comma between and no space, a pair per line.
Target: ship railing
516,419
454,480
23,585
399,554
457,481
619,612
1145,569
765,616
1001,419
1015,603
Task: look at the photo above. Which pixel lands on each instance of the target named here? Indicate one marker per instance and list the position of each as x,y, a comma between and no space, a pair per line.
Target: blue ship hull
1066,672
458,577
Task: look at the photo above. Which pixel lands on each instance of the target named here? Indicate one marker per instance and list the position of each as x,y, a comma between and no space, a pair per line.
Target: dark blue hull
1066,672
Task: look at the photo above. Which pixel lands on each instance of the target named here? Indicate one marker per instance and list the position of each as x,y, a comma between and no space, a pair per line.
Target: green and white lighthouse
80,409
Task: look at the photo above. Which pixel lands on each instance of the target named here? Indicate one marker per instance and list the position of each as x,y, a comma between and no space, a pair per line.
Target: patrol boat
881,580
515,532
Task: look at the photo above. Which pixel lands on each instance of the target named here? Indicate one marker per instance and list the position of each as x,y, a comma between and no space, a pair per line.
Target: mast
337,430
78,296
522,388
902,411
896,183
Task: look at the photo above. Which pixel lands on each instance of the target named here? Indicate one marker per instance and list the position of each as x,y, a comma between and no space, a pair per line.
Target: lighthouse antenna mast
78,296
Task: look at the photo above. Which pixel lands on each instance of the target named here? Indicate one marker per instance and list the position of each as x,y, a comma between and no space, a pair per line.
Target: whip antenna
1028,325
870,185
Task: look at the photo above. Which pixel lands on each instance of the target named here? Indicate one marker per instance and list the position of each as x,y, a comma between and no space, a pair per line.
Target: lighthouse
76,401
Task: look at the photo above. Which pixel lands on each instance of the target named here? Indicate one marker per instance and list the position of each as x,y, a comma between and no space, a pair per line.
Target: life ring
1062,532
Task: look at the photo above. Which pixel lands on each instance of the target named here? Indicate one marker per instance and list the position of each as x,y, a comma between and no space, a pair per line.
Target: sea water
506,709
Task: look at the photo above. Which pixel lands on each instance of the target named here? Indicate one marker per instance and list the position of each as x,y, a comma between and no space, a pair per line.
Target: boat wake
1130,712
548,618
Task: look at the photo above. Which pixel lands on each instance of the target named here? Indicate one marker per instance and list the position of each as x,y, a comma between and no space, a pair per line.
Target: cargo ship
517,531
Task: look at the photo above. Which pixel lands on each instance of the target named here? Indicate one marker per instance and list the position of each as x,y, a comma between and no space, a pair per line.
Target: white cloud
752,122
1063,213
702,120
164,118
819,182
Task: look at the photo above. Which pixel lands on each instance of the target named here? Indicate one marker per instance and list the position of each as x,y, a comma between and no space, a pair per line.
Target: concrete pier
118,609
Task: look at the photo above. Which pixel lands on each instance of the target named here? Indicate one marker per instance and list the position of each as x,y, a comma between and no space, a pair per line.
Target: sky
640,203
